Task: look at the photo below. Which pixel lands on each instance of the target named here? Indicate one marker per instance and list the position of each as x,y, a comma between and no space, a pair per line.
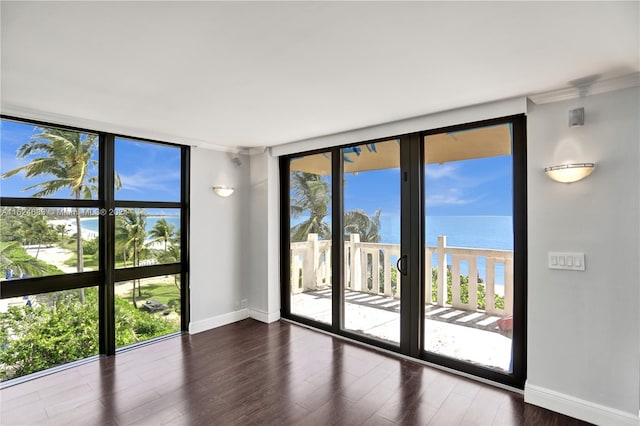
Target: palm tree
11,266
62,230
310,195
172,255
67,157
35,230
130,237
358,222
162,231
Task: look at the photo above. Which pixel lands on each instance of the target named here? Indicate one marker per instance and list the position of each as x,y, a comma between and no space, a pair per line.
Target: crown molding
567,93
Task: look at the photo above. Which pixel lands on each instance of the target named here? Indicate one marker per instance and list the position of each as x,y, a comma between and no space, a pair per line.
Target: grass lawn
90,260
166,293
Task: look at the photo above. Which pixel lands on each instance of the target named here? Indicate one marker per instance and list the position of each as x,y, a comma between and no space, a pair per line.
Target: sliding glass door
371,223
468,195
430,260
310,280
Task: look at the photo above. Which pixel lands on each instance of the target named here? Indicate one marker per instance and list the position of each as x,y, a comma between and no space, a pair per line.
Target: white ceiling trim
453,117
597,87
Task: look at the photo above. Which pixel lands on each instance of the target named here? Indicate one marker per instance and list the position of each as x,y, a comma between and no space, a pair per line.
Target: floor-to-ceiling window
93,231
431,258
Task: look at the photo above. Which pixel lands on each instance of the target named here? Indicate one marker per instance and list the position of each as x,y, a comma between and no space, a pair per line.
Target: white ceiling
245,74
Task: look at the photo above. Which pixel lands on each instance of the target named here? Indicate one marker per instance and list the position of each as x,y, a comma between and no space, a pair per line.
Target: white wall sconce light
223,191
569,173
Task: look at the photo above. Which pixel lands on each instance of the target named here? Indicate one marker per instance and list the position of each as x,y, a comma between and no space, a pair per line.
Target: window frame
107,275
413,208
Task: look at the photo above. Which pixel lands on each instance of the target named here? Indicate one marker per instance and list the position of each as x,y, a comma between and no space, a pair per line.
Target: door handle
401,263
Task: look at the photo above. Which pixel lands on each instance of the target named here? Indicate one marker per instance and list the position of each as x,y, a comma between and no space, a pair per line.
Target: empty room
313,213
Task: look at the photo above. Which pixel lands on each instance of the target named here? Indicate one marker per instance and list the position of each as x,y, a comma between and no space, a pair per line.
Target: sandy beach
70,224
54,256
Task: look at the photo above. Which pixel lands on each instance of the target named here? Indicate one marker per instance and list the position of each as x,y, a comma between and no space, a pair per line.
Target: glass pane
45,330
47,162
42,241
372,240
469,253
147,237
310,227
146,171
147,308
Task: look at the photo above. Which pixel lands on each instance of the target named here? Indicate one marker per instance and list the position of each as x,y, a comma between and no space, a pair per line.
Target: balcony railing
368,269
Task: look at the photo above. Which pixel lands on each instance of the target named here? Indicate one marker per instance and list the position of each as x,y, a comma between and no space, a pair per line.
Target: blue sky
149,172
479,187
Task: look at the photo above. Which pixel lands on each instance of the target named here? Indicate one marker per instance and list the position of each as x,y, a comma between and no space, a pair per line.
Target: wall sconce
568,173
223,191
571,172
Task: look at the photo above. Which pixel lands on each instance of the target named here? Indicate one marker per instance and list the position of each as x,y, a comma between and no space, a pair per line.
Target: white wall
584,327
219,233
264,249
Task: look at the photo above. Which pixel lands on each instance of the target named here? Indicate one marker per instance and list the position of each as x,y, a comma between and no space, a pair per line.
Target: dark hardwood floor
253,373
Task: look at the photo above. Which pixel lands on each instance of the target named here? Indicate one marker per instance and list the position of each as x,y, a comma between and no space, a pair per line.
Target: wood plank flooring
250,373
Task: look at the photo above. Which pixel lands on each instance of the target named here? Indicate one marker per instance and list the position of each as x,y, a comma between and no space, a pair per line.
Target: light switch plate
566,261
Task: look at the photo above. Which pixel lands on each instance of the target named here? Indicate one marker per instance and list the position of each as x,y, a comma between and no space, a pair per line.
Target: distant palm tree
36,230
67,157
358,222
162,231
62,230
172,255
130,237
310,196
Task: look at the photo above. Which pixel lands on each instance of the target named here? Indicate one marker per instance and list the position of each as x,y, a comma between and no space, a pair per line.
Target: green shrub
90,247
60,329
464,290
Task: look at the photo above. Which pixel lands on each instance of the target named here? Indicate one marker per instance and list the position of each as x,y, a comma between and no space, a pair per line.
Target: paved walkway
473,319
457,334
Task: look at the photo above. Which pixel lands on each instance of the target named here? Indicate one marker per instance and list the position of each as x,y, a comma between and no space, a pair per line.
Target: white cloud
145,180
450,198
437,171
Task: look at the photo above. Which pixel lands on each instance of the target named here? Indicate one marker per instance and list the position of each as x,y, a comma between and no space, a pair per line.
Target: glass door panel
371,221
310,237
468,195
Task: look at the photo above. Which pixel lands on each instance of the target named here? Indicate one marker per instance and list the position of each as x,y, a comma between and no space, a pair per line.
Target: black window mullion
48,284
519,337
337,244
185,183
411,245
107,241
140,272
285,237
45,203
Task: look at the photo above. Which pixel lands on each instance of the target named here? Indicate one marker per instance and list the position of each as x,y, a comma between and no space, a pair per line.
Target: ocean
490,232
487,232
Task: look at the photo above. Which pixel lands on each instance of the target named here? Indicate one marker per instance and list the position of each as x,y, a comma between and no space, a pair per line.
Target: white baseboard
217,321
267,317
578,408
